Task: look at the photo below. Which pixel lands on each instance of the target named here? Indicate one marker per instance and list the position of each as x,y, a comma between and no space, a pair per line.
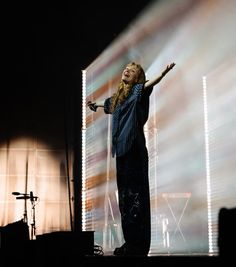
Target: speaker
226,232
81,243
14,235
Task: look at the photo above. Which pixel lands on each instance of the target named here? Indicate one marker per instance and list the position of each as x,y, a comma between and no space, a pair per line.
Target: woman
129,107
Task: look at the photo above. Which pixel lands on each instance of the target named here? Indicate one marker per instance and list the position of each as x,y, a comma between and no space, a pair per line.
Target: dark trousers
134,197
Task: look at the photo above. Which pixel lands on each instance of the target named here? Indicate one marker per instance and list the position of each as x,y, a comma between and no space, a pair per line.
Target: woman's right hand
92,105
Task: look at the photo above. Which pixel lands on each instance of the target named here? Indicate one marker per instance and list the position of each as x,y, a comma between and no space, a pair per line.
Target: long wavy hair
124,88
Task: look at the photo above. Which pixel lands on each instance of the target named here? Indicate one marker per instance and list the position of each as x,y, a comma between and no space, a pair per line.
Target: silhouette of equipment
32,199
23,197
14,235
226,232
82,242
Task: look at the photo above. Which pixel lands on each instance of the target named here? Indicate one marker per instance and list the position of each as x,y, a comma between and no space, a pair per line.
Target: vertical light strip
107,204
208,174
83,150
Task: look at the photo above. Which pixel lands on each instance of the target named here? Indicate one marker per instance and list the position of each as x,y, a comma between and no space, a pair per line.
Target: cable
98,250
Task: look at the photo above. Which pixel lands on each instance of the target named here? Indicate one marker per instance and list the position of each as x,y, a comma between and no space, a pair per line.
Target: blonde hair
124,89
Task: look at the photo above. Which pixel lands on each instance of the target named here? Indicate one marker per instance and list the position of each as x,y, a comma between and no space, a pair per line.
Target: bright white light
208,173
83,149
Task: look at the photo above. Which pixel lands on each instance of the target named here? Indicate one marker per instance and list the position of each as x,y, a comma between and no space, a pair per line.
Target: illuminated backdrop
190,131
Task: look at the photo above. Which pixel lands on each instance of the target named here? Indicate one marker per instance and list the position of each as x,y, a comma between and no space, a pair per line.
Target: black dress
129,146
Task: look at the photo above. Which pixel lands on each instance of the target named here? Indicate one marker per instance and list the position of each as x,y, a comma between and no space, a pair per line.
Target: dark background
45,47
49,44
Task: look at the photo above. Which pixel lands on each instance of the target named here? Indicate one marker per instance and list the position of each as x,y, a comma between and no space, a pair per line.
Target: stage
53,257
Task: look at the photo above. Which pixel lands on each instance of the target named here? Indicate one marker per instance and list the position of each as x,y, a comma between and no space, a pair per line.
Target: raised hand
168,68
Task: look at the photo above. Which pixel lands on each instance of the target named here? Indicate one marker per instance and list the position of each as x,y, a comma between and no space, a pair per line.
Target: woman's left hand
168,68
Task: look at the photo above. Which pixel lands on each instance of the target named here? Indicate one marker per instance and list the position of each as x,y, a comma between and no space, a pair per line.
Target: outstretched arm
155,81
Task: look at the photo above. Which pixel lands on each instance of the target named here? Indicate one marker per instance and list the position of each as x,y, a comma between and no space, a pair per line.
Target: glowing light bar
208,173
83,149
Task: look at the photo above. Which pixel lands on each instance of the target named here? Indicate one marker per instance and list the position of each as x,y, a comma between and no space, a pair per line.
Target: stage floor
67,258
